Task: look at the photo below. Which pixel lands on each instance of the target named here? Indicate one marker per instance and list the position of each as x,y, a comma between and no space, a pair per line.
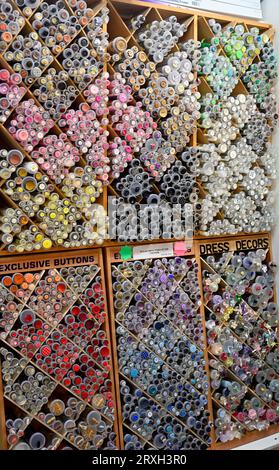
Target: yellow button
38,237
47,243
22,172
163,112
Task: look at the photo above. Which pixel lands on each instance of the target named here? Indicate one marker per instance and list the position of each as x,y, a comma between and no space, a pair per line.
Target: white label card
153,251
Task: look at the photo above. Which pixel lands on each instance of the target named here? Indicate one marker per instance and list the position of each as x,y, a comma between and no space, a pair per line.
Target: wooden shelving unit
198,252
120,13
56,262
233,246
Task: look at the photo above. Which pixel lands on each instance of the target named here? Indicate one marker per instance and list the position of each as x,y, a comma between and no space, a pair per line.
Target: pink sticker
179,248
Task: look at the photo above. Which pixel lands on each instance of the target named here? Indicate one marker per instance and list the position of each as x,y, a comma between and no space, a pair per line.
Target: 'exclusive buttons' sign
44,263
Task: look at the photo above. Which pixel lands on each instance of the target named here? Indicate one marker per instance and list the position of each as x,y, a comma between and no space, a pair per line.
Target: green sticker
126,252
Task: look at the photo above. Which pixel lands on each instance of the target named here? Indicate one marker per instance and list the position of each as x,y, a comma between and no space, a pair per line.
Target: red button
45,350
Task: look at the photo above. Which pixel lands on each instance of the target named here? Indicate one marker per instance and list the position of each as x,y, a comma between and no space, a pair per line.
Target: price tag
159,250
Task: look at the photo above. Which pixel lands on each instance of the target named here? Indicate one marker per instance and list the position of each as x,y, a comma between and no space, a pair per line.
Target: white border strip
261,444
232,7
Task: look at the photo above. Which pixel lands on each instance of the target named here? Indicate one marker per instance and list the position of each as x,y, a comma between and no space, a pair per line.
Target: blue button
134,373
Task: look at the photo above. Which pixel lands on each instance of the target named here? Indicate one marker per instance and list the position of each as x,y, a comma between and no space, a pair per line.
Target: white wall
271,15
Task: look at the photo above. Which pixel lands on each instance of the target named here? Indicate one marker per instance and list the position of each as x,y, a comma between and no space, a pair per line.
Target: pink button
4,75
22,135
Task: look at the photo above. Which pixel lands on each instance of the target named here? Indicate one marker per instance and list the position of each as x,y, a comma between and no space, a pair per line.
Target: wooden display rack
231,245
120,12
199,249
41,263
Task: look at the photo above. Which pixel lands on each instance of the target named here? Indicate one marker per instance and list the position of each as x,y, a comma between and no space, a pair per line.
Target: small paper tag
153,251
179,248
126,252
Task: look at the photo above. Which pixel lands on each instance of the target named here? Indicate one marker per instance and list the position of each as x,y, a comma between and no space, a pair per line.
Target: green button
205,44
